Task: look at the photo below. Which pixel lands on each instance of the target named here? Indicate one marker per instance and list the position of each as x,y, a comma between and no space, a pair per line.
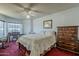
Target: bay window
6,27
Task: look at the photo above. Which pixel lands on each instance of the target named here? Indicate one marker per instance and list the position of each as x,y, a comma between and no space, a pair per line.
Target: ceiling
13,10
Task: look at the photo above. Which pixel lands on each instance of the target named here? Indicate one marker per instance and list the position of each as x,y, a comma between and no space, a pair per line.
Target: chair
13,36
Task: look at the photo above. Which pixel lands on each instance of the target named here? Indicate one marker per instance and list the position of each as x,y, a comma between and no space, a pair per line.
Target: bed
37,43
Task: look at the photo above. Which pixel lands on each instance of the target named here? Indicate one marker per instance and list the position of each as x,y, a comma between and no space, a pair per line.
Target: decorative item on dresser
67,38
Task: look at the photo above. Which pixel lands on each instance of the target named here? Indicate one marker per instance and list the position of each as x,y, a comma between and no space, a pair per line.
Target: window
13,27
9,27
1,29
18,28
4,29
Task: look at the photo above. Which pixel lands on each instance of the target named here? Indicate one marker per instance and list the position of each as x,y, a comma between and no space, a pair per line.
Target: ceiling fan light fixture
28,16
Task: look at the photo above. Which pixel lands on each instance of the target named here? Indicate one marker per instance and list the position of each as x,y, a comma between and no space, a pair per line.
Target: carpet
13,50
59,52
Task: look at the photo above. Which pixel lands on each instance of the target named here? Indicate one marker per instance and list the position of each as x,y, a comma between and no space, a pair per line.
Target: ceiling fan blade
31,5
29,8
19,5
20,11
39,11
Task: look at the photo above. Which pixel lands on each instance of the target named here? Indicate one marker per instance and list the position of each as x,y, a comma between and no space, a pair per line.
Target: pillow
50,33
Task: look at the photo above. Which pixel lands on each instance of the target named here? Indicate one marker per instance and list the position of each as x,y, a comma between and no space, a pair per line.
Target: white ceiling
15,11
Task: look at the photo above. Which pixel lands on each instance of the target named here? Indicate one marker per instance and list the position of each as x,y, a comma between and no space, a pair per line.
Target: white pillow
50,33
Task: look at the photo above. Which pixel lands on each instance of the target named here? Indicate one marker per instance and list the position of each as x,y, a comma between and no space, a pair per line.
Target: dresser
67,38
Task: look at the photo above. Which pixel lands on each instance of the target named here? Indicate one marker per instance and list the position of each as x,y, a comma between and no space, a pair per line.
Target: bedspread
37,43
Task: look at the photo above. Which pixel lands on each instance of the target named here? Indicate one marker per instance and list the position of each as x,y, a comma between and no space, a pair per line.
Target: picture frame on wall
47,24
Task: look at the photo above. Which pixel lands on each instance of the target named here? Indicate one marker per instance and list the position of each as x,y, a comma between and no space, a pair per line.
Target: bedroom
37,22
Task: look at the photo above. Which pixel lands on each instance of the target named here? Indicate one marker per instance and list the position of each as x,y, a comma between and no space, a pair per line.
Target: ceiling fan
28,9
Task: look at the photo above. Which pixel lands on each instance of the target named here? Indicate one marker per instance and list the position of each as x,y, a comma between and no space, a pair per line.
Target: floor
59,52
13,50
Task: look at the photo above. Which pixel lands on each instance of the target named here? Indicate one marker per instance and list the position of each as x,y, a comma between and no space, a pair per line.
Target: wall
26,24
10,19
38,23
65,18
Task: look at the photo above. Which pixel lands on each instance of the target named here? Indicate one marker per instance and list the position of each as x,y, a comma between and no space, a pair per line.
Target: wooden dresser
67,38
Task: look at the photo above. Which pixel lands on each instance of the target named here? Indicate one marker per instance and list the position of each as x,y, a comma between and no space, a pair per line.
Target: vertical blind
9,27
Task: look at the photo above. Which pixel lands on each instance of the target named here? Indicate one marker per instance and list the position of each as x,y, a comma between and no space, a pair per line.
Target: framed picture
47,24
